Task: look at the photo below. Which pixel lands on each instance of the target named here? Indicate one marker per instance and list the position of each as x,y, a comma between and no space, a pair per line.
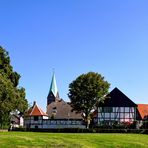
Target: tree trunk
87,121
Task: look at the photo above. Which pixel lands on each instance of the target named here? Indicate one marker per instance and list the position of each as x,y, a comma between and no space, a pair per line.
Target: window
127,109
107,115
36,118
122,109
107,109
54,110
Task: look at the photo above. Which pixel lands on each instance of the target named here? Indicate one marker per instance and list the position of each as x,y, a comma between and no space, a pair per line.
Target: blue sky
74,37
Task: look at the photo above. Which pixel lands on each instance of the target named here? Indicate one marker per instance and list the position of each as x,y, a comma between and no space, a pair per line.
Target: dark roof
117,99
62,110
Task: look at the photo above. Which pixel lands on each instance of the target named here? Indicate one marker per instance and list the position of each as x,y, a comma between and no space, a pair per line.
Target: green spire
53,86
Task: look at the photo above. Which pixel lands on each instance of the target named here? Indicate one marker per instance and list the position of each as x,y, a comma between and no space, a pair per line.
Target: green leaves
87,91
11,97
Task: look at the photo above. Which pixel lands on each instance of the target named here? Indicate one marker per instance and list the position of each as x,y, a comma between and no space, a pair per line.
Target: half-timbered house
116,109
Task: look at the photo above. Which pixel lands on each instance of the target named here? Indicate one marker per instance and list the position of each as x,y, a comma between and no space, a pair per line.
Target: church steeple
53,92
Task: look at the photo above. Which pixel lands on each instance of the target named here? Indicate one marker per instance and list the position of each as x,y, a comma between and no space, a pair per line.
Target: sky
75,37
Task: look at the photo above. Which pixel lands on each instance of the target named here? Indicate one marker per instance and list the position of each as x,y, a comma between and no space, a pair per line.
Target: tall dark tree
12,97
86,92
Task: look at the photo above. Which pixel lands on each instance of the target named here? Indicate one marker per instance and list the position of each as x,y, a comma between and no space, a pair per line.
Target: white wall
120,114
45,123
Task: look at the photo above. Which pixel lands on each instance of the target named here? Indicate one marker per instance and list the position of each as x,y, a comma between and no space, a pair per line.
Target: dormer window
54,110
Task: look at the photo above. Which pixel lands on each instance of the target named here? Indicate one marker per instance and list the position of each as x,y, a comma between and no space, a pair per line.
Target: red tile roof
143,110
36,111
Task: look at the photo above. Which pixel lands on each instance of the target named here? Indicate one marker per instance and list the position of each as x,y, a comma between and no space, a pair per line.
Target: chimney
34,103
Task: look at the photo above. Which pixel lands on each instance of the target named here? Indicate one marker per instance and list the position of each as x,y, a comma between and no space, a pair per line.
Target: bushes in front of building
22,129
116,125
78,130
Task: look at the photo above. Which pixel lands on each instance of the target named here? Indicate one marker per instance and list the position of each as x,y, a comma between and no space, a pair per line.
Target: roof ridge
141,104
124,94
41,111
32,109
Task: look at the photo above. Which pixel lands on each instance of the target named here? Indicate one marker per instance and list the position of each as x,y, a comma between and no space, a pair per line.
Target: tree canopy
12,97
86,92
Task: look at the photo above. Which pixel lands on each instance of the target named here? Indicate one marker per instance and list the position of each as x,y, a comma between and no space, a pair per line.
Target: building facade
116,109
57,108
35,118
58,115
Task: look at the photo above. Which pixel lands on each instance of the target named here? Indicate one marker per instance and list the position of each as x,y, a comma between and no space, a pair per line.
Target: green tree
86,92
12,97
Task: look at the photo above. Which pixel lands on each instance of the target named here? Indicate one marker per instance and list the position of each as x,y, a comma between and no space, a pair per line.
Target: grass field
70,140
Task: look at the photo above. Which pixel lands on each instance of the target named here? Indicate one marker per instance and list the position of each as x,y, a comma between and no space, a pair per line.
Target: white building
35,118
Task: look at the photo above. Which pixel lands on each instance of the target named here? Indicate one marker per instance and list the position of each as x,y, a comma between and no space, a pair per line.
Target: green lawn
60,140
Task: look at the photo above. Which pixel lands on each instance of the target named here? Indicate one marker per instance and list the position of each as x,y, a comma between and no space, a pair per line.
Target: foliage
86,92
12,97
67,140
144,122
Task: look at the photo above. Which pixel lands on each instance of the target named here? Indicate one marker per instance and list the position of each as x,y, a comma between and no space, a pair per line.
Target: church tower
53,94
